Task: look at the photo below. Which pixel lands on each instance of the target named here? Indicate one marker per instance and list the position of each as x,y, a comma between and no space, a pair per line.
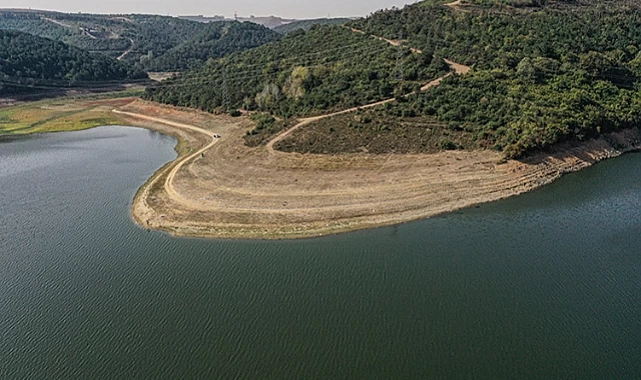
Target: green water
542,286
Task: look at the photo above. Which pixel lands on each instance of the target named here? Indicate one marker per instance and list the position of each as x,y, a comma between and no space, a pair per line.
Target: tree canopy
32,60
152,43
544,71
305,73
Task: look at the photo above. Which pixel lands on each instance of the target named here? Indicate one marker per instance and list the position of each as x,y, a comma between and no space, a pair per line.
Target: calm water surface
542,286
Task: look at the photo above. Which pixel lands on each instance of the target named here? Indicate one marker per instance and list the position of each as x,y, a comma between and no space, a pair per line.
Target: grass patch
55,116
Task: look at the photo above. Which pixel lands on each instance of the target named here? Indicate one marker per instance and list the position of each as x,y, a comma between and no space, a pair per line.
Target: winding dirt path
309,120
131,48
455,67
177,165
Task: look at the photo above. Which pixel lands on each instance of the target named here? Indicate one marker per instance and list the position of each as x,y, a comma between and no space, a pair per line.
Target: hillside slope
27,60
544,72
308,24
142,39
306,73
216,40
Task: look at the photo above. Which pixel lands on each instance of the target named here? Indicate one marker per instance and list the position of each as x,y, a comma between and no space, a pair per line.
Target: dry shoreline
231,191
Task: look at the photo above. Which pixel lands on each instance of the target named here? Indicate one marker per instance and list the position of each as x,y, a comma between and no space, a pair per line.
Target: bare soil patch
234,191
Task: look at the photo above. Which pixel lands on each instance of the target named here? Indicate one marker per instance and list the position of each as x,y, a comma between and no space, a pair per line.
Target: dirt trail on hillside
455,67
59,23
126,52
305,121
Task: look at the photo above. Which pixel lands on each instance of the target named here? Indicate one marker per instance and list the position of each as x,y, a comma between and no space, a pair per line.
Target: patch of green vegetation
266,127
160,43
54,116
544,71
305,73
5,118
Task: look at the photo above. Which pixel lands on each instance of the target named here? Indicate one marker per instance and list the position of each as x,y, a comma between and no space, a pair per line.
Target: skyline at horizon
305,9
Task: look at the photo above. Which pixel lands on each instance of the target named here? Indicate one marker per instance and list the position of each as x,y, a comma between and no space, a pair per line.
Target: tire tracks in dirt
173,169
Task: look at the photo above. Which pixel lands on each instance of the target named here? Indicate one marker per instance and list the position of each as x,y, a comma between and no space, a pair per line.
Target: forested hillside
217,39
544,71
305,73
148,41
27,60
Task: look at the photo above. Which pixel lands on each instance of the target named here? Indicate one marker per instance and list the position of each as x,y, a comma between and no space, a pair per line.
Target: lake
544,285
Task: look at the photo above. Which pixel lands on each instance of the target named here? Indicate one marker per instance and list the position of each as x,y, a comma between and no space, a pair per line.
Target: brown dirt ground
235,191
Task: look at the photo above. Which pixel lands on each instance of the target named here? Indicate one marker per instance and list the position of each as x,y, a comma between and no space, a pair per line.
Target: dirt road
177,165
305,121
455,67
126,52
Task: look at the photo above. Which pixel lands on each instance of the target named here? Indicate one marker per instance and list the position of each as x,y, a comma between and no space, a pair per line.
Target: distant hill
216,40
27,60
201,18
268,22
278,24
140,39
308,24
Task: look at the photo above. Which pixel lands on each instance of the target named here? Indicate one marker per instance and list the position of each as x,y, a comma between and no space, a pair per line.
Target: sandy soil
233,191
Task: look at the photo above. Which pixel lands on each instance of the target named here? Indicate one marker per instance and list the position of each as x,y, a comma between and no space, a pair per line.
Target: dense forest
28,61
159,43
215,40
544,71
305,73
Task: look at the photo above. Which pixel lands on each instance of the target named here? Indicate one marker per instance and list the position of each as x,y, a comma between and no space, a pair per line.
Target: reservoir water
542,286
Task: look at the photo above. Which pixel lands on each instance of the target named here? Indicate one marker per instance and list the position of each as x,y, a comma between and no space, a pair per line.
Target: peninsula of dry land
221,188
